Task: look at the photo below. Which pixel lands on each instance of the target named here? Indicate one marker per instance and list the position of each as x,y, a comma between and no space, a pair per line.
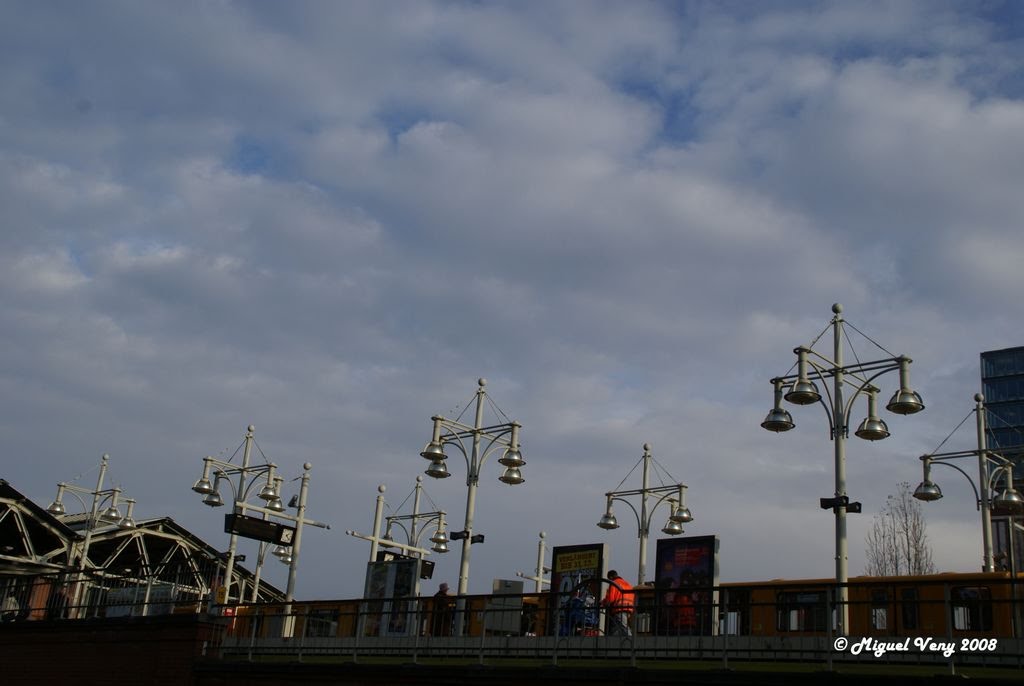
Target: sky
329,219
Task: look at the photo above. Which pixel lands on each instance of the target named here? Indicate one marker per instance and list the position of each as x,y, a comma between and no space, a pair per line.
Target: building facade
1002,384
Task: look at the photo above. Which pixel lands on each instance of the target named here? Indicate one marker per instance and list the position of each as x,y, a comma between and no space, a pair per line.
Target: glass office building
1002,384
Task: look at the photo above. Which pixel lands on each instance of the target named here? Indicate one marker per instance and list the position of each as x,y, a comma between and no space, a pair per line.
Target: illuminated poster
576,601
685,581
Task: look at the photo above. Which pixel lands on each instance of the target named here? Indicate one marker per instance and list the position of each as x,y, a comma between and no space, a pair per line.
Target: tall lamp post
413,532
386,540
483,441
289,555
673,494
248,477
800,389
987,493
102,499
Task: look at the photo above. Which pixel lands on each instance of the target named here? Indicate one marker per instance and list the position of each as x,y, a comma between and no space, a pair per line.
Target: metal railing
959,621
48,598
943,622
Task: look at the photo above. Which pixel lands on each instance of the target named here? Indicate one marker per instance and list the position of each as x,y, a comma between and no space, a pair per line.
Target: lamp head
56,508
511,476
275,505
269,492
438,469
203,486
608,521
927,491
1009,499
872,429
213,499
803,392
672,528
440,547
681,515
905,401
439,537
512,458
112,515
778,420
434,451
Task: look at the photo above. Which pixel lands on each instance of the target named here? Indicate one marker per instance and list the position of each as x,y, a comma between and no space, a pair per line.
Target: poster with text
576,571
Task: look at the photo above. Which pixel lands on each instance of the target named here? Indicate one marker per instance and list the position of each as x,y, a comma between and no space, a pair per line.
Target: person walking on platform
620,599
442,622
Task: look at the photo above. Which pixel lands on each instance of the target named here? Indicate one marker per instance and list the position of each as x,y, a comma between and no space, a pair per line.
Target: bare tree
897,543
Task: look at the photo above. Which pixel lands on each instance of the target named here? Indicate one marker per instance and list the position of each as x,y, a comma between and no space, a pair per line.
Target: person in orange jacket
620,599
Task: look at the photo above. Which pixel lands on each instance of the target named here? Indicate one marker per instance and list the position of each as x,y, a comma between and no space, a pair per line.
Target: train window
736,618
909,607
800,611
972,608
879,610
322,623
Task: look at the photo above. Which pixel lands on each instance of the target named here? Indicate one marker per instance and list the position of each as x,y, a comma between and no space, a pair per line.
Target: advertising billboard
687,573
576,571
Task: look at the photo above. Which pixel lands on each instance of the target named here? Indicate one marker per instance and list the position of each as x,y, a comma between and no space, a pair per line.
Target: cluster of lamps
439,539
674,495
991,491
801,389
1007,497
101,497
476,442
270,493
110,515
512,459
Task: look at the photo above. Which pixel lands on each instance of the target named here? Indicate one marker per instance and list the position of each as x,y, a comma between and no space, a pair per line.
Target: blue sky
329,219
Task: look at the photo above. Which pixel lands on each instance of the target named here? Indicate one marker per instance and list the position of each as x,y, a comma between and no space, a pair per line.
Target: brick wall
111,652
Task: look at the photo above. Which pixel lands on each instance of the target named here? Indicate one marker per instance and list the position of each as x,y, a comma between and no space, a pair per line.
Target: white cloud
329,220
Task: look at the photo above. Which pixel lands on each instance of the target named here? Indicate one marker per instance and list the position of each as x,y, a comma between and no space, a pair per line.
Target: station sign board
260,529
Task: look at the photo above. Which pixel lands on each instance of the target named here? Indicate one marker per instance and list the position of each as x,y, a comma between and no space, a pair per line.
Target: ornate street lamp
801,389
243,480
482,442
673,494
104,510
989,493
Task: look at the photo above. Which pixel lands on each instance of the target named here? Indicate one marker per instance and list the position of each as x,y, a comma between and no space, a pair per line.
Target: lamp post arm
944,462
249,507
670,496
456,441
495,441
866,385
390,521
826,406
387,544
616,496
1007,468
